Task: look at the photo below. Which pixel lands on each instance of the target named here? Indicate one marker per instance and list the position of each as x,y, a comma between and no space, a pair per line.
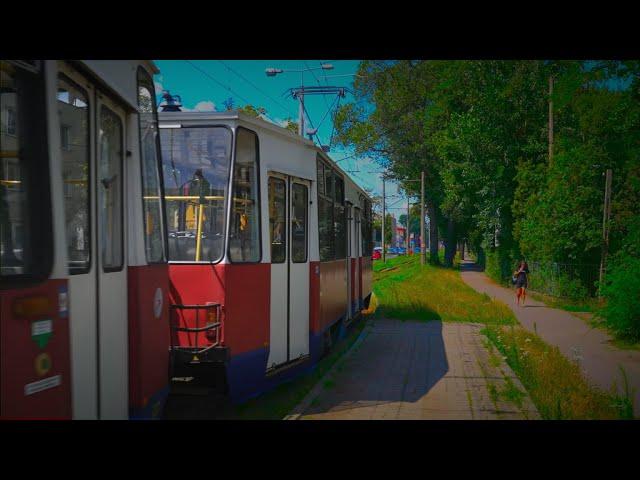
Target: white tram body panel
99,238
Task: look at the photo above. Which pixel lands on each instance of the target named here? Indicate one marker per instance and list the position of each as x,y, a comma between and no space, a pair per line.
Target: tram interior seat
182,247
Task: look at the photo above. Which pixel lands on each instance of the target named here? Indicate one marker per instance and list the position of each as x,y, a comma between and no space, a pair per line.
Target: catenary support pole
384,252
406,233
423,253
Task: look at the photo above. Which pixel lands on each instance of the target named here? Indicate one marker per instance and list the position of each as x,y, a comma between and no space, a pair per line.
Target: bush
500,264
622,292
544,279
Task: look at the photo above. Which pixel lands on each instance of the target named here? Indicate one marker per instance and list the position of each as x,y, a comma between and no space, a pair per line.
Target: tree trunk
433,234
450,243
462,250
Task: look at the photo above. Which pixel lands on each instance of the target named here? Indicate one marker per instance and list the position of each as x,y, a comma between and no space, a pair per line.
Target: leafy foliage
622,288
480,131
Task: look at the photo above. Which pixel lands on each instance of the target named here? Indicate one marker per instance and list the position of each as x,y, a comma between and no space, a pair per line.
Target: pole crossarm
318,90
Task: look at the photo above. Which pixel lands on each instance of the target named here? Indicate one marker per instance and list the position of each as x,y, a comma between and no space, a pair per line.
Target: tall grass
555,384
407,290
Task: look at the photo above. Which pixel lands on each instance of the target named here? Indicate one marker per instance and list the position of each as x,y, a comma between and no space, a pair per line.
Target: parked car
401,251
377,253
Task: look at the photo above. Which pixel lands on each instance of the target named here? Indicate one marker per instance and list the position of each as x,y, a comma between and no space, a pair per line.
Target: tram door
350,254
92,144
357,246
289,241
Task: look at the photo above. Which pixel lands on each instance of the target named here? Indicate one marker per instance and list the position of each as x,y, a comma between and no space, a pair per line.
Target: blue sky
206,84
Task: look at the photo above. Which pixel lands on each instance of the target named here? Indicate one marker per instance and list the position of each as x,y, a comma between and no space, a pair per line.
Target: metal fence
570,280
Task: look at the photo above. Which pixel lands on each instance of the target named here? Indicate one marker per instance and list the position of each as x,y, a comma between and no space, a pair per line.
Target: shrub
545,279
622,291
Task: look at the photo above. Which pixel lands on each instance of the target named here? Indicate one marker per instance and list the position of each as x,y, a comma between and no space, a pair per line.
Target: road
416,370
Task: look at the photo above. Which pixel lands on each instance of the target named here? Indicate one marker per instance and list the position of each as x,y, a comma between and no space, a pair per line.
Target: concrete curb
301,407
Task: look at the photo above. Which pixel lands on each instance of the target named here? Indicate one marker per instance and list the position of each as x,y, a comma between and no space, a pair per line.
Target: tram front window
148,122
196,173
24,210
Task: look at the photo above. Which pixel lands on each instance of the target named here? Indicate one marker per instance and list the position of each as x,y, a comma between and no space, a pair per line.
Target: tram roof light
327,66
272,72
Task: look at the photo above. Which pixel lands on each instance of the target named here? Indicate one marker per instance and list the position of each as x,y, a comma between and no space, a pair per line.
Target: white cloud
201,106
159,88
277,121
205,106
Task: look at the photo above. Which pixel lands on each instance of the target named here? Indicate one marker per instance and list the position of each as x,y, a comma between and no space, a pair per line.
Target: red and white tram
268,243
269,248
84,325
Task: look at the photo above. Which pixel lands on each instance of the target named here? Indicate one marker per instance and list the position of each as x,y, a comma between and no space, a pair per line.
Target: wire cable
257,88
208,75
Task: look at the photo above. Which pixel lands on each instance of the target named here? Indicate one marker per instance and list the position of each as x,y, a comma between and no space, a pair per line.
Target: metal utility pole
550,119
606,214
301,113
301,91
423,252
384,220
407,231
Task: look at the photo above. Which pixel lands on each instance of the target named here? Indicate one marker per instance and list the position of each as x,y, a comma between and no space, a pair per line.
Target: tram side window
299,206
328,182
73,112
196,173
367,243
110,185
320,170
244,234
340,220
325,229
277,219
25,222
149,157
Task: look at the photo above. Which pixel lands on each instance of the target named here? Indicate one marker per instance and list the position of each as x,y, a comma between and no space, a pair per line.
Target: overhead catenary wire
257,88
304,108
209,76
324,96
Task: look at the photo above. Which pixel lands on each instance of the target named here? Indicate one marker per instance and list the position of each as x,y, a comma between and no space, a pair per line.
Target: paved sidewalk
590,347
417,370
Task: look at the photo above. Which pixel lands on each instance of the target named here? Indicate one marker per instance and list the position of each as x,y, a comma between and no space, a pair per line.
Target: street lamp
272,72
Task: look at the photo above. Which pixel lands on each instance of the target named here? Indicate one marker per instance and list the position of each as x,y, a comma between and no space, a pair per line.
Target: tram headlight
211,318
35,306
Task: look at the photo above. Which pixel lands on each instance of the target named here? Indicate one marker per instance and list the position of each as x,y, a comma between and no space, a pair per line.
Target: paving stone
416,370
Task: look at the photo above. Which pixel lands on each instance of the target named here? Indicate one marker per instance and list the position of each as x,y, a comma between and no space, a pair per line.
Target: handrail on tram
216,326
